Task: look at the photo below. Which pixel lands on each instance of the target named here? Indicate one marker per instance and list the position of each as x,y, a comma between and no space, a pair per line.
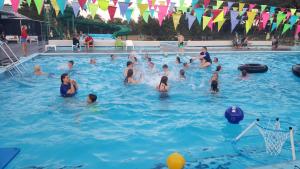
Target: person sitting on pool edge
88,42
205,58
129,78
163,85
68,87
92,98
129,66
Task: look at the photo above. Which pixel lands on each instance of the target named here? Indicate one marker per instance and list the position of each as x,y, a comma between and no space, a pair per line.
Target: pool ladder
12,62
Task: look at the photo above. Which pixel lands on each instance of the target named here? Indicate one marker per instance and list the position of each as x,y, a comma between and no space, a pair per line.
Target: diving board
285,165
7,155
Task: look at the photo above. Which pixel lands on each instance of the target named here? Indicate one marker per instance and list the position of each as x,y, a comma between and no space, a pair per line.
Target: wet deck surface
286,165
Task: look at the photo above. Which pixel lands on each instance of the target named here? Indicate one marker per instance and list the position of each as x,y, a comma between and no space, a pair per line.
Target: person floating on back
92,98
163,85
68,87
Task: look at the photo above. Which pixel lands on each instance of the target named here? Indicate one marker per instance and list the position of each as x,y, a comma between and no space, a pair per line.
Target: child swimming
163,85
129,78
38,70
182,75
214,86
92,98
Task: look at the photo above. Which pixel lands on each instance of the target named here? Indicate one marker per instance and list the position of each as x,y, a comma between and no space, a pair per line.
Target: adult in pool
205,58
68,87
163,85
129,78
129,66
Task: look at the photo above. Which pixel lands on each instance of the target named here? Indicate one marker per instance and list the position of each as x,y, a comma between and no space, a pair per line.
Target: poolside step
285,165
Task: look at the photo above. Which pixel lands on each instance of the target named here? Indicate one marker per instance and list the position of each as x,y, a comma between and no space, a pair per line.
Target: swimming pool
132,127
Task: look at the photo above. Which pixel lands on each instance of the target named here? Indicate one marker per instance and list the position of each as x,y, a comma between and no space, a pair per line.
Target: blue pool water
132,127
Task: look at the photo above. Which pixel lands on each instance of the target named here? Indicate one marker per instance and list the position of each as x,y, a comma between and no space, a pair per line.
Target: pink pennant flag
265,18
210,24
225,10
15,5
163,10
288,15
112,11
150,4
297,30
115,2
81,3
282,9
160,18
251,6
168,2
206,3
216,12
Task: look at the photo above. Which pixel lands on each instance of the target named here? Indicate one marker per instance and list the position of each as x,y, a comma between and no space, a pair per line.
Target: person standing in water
68,86
163,85
24,36
129,78
180,42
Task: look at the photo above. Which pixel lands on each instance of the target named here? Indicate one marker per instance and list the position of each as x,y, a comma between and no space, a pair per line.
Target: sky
135,14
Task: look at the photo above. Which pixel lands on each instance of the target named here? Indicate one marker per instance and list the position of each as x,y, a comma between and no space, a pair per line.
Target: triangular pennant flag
282,9
293,20
206,20
176,18
229,4
280,17
111,12
142,8
288,15
272,10
235,8
82,3
251,6
194,2
163,9
215,13
225,10
55,6
168,2
274,26
186,15
265,18
206,3
123,7
171,8
128,15
219,3
220,24
103,4
285,28
76,8
249,22
160,18
243,11
210,24
39,5
234,20
93,9
297,30
139,1
2,4
146,16
199,13
293,11
191,20
152,13
263,7
28,3
15,5
115,2
219,18
241,6
62,5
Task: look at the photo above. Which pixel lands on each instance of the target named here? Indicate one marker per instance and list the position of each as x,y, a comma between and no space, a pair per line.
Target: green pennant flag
293,11
263,7
142,8
103,4
39,5
214,7
280,17
29,2
271,20
146,16
93,9
285,28
219,3
139,1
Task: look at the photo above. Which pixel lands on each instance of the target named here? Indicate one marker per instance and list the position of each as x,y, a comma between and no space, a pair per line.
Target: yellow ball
175,161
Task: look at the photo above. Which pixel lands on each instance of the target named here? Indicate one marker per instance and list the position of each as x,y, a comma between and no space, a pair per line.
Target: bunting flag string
285,28
82,3
103,4
220,24
93,9
206,20
265,17
76,8
191,20
199,13
249,22
176,19
28,3
219,18
62,5
234,20
111,12
15,5
142,8
123,8
39,5
128,15
55,6
146,16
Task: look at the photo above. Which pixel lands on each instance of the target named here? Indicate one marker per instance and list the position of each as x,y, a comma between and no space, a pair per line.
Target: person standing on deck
24,36
180,42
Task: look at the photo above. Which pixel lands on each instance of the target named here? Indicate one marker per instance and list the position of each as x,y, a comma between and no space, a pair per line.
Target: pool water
133,126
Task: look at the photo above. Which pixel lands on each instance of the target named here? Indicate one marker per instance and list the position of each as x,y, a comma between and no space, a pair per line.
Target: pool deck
286,165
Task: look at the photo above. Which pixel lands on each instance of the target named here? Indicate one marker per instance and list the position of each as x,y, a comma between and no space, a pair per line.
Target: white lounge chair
129,43
147,43
34,39
12,38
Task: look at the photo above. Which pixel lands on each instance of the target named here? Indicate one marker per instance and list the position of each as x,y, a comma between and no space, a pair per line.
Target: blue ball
234,115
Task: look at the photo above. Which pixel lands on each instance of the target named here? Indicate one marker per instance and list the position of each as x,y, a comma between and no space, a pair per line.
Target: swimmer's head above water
129,64
70,64
92,98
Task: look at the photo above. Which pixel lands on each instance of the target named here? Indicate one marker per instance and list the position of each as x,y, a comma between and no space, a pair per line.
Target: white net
273,136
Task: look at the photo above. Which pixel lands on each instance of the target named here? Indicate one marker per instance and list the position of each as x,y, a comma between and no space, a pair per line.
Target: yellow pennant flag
206,20
55,6
241,6
219,3
235,8
254,10
220,24
220,17
293,11
93,9
176,19
142,8
103,4
249,22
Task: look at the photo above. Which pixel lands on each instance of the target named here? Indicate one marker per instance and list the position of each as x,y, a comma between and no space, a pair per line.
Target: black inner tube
253,68
296,70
